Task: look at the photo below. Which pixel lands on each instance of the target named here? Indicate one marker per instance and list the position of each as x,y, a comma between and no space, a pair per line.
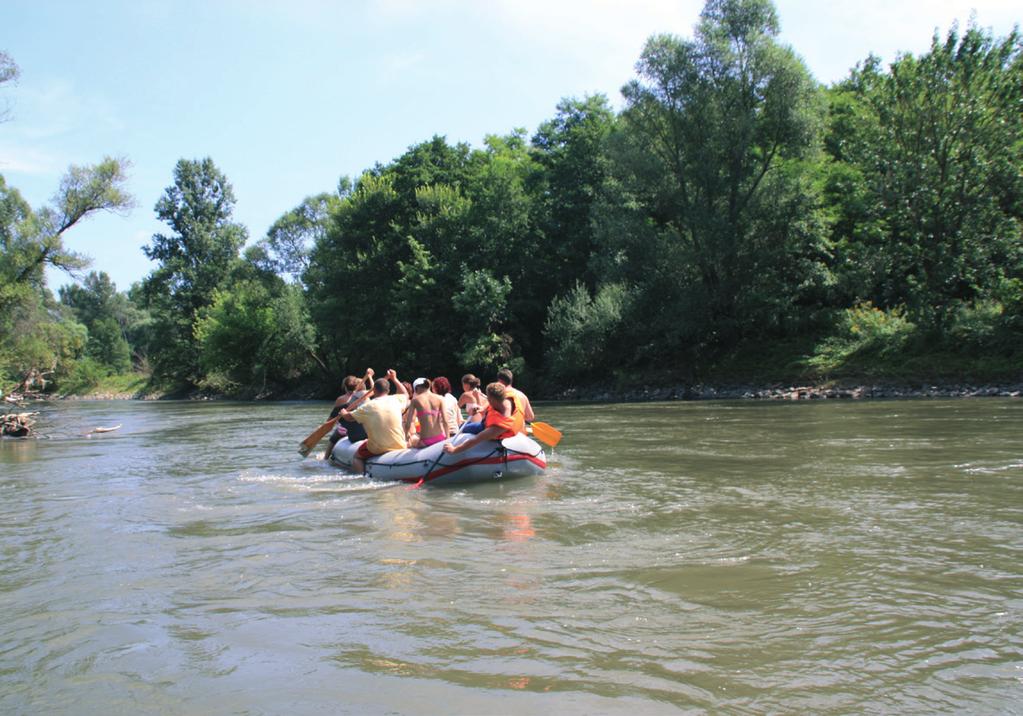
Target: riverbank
847,390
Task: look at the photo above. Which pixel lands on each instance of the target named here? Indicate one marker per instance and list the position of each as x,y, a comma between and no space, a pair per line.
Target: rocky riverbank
606,394
788,392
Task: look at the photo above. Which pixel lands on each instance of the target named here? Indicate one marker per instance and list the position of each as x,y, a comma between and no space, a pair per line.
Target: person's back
442,387
355,431
505,377
428,407
381,418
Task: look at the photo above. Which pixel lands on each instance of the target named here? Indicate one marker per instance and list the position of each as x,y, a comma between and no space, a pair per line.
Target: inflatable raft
488,461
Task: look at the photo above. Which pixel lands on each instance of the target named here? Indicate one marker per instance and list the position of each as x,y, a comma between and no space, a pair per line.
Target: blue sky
287,96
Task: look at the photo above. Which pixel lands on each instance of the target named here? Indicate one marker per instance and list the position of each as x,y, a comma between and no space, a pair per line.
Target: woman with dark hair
355,389
472,398
442,387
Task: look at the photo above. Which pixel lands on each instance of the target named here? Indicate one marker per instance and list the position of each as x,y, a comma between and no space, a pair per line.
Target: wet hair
505,376
441,385
381,386
496,390
351,383
471,380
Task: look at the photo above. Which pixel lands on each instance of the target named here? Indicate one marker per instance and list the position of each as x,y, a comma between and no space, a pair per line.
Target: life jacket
518,407
512,424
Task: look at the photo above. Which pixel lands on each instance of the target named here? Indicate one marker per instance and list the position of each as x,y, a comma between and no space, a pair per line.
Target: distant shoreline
675,392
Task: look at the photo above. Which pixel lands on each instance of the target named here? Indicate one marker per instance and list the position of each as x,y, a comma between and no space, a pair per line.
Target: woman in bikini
472,399
429,408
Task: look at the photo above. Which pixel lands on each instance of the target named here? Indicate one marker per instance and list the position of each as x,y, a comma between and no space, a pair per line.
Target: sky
287,96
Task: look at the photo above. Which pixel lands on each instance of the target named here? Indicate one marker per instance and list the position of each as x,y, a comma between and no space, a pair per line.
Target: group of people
425,413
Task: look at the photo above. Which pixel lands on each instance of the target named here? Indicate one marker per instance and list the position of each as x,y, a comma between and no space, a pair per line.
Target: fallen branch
104,430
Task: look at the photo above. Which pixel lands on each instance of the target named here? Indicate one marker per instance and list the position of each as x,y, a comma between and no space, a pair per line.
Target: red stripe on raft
448,469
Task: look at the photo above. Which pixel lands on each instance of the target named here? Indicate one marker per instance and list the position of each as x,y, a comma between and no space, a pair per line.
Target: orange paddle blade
546,433
310,442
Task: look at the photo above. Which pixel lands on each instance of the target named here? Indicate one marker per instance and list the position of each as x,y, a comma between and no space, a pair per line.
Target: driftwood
17,425
104,430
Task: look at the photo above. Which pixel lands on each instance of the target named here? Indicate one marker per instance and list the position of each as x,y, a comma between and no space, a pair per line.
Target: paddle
310,442
546,433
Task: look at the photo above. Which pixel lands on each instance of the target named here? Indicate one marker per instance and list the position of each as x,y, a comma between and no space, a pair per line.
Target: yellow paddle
546,433
310,442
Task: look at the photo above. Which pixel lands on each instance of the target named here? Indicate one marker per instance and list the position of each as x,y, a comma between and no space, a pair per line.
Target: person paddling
355,389
382,419
502,418
505,377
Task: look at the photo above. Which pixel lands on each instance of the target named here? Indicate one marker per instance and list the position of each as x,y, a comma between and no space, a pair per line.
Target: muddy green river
719,558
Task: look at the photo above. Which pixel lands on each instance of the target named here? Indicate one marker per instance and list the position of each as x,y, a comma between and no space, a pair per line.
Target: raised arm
393,377
490,433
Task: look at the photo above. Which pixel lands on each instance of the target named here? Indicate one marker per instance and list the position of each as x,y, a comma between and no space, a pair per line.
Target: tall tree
928,180
29,240
36,336
714,133
9,72
194,261
291,238
572,154
108,316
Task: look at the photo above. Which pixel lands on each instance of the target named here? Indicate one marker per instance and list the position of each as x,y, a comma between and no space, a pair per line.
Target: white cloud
16,159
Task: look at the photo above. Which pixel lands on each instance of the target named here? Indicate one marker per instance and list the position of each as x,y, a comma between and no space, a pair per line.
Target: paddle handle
310,442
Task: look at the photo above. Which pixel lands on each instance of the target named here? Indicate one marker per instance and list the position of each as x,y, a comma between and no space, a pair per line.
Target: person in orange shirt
505,377
502,419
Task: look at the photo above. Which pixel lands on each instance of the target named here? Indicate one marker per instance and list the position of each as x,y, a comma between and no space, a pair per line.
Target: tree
194,261
250,336
927,176
108,316
8,73
288,242
31,240
36,335
572,156
715,135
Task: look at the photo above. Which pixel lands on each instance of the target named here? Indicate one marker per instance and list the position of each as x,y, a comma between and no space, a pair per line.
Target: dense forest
734,220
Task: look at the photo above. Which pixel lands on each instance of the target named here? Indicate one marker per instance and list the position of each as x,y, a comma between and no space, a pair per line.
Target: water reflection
852,558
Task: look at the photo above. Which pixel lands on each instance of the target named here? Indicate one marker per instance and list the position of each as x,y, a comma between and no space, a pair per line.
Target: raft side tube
518,456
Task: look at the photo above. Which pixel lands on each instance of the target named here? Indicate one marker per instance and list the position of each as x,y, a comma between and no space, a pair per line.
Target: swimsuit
427,442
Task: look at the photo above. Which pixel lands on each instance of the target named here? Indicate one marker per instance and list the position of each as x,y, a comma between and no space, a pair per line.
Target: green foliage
581,330
732,217
194,262
480,306
36,334
250,336
288,242
927,182
108,316
85,374
864,333
711,151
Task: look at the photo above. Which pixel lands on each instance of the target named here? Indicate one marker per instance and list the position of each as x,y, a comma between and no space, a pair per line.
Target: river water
737,558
